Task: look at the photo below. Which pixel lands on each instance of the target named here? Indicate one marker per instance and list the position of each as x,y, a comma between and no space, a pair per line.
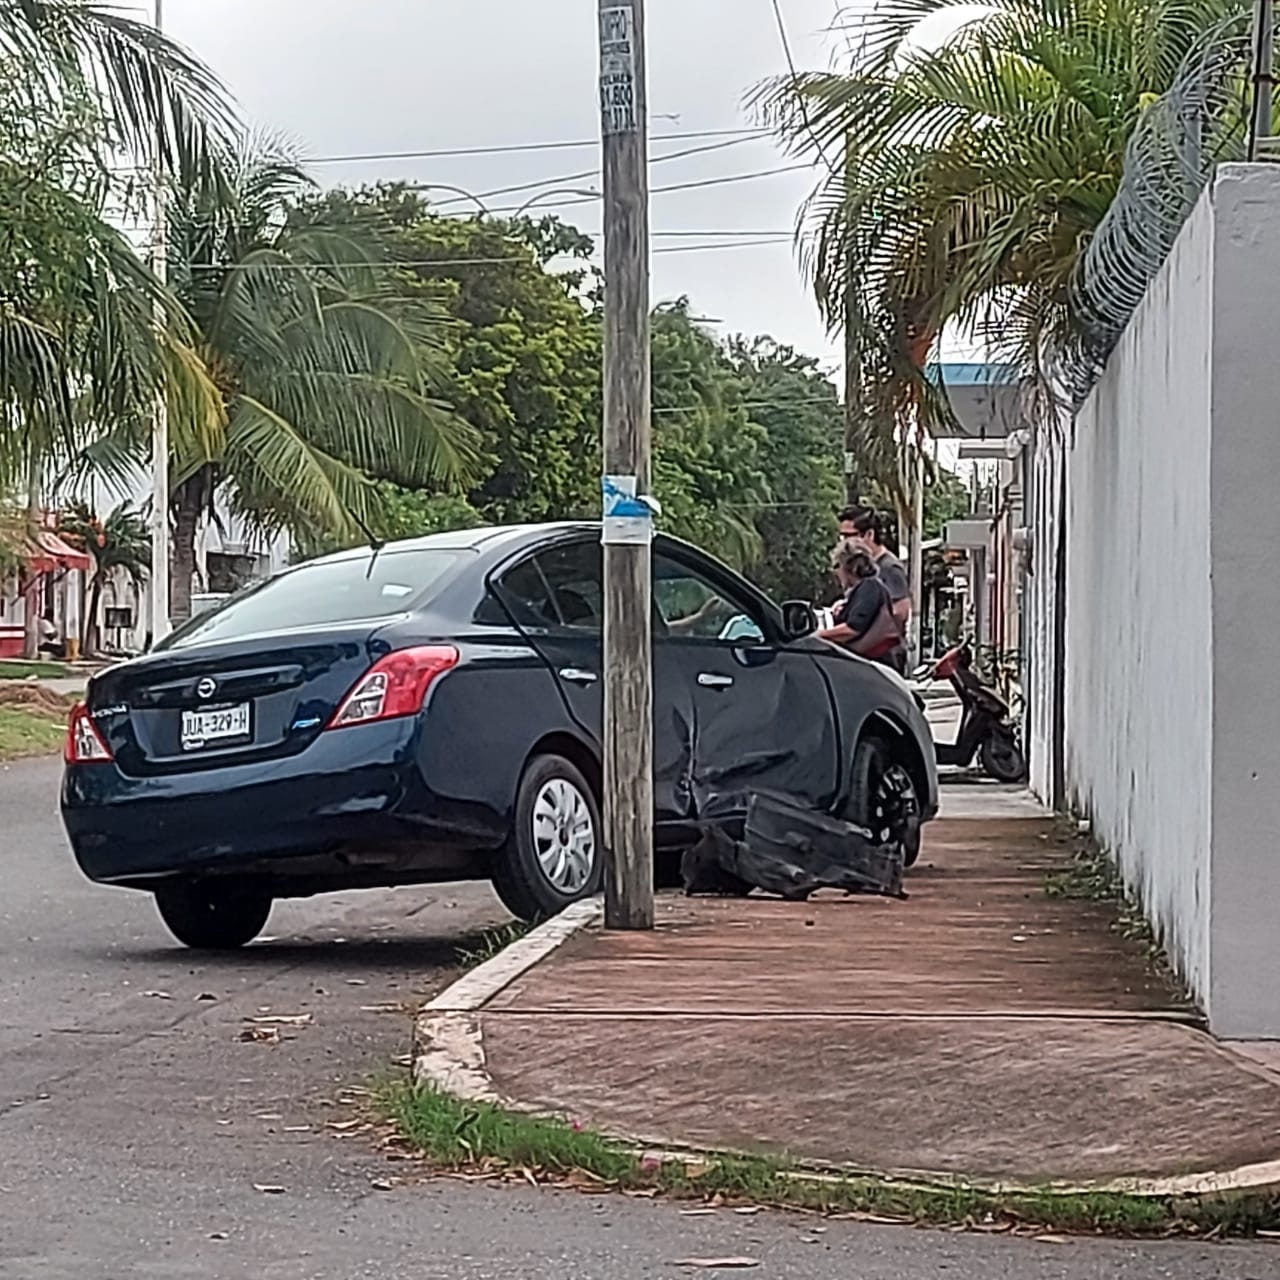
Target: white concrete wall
1244,903
1173,604
1139,673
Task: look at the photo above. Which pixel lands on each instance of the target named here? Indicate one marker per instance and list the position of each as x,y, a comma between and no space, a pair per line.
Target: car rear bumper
354,801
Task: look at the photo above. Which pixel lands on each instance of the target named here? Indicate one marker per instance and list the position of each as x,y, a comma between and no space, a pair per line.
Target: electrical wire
481,196
795,86
392,264
584,198
502,149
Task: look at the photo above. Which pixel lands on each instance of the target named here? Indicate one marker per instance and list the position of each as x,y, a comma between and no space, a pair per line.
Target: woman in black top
865,599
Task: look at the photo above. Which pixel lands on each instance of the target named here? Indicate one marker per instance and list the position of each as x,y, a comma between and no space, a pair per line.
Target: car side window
574,576
690,607
525,593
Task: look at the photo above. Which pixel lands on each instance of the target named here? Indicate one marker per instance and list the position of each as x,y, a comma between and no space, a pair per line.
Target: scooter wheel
1002,759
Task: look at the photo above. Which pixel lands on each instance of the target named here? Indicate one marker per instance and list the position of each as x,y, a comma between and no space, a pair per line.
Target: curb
449,1057
448,1043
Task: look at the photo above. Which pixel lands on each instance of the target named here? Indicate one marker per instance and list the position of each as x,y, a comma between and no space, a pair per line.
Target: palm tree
120,543
87,335
964,183
154,99
327,370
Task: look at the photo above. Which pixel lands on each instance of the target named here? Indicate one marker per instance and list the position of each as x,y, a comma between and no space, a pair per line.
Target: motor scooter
987,728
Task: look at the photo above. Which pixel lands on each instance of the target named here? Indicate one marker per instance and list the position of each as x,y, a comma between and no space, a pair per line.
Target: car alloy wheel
564,836
884,799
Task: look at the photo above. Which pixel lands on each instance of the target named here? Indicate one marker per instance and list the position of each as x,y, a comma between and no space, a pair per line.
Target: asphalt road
135,1124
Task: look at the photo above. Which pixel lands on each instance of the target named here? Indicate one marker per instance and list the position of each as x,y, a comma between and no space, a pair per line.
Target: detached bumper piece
791,852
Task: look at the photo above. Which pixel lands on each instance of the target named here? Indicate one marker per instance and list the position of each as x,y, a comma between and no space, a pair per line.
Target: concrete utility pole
627,530
160,426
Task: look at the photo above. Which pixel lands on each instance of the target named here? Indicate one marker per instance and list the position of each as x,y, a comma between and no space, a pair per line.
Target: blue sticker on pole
628,516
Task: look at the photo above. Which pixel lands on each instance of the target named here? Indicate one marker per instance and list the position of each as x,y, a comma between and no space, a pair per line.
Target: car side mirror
798,619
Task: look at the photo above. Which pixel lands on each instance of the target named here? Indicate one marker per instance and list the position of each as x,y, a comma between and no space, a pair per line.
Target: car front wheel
213,915
883,798
554,855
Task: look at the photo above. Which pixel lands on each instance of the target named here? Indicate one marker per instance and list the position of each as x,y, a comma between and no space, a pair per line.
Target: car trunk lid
206,707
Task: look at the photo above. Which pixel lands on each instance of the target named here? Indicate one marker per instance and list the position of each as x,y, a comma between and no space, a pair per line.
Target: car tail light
85,745
394,686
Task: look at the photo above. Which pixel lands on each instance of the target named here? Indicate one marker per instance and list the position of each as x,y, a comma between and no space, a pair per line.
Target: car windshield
361,588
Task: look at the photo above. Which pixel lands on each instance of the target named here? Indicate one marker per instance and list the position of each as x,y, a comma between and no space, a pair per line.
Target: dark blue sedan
432,711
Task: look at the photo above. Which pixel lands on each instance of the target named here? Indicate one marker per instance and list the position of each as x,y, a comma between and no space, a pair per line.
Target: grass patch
11,670
460,1136
30,731
492,941
1091,876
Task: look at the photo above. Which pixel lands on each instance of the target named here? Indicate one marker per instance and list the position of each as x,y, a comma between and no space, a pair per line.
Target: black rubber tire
518,877
213,915
872,759
1002,758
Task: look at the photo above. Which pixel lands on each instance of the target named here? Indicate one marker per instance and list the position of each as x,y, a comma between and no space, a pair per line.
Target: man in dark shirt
862,525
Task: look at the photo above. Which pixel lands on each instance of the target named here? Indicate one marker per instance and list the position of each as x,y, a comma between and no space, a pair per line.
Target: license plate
209,728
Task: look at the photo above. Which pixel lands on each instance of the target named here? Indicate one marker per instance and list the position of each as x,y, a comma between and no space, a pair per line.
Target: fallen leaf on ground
269,1188
205,995
356,982
1052,1239
297,1128
260,1035
385,1184
157,995
219,1235
880,1219
343,1125
714,1264
747,1209
283,1020
697,1213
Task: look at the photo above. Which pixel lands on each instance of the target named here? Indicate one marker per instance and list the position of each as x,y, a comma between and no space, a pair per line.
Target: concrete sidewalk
982,1029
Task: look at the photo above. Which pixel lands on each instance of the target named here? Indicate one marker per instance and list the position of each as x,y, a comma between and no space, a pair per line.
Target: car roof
486,539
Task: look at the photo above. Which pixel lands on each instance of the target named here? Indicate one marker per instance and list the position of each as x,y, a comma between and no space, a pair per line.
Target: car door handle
709,680
575,675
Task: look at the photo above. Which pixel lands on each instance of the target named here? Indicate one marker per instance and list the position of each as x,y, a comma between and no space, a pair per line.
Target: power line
523,147
587,197
586,173
392,264
694,185
504,149
795,86
832,401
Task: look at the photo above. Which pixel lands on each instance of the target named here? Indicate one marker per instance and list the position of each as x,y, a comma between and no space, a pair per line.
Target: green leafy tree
329,371
524,345
708,464
962,184
799,413
119,543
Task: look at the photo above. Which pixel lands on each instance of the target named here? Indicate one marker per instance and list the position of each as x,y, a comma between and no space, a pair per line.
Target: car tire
213,915
1002,758
874,769
554,855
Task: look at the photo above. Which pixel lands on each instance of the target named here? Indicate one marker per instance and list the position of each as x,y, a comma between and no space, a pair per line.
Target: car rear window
326,592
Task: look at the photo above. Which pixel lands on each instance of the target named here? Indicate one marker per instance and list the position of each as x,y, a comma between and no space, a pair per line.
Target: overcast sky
354,76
